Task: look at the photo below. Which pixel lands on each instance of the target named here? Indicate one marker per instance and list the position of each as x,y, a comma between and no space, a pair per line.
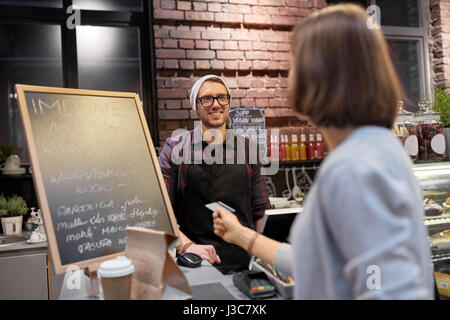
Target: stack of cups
115,275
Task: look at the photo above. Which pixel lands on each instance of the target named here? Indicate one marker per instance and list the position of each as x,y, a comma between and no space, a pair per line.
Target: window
403,22
37,47
29,54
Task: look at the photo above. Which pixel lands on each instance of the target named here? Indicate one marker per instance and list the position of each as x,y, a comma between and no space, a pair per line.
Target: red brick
168,4
270,3
258,55
242,35
245,65
230,55
245,45
185,34
156,4
284,20
160,32
279,112
159,64
235,103
231,65
260,93
257,19
199,16
168,14
170,43
258,83
229,18
217,44
171,93
244,1
158,43
272,46
244,83
173,114
201,44
258,45
262,103
187,64
187,44
215,35
202,64
200,6
238,93
170,64
170,53
173,104
279,102
272,36
214,7
284,46
185,83
247,103
281,92
272,83
217,64
232,8
200,54
183,5
231,45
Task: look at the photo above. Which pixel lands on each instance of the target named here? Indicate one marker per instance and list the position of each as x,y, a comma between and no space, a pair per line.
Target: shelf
18,176
297,163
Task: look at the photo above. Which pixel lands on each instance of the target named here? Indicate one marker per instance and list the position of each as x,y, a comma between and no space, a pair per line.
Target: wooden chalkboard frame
39,181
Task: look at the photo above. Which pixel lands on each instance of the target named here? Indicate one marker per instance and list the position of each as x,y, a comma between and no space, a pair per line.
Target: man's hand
227,225
207,252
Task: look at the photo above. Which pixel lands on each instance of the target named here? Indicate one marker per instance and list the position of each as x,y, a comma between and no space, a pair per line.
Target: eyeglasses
208,101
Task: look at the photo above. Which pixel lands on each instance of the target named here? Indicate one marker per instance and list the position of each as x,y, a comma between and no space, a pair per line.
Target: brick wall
245,41
440,42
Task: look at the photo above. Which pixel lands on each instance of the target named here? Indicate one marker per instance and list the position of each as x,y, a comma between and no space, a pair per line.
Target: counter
206,282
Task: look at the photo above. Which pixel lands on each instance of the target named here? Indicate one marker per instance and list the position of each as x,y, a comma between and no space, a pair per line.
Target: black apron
208,183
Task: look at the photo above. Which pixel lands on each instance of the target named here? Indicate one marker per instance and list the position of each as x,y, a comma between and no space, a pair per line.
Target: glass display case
434,179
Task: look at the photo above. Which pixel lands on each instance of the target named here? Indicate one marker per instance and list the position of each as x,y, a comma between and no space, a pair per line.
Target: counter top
23,245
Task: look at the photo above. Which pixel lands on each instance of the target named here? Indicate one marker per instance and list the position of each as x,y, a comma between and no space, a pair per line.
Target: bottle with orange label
302,147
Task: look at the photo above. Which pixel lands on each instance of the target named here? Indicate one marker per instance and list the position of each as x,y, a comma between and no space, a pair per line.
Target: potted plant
12,210
441,104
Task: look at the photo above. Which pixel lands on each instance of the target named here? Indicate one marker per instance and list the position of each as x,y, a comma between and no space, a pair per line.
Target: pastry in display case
434,179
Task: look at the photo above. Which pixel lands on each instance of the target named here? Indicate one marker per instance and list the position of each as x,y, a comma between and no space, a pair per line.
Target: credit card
213,206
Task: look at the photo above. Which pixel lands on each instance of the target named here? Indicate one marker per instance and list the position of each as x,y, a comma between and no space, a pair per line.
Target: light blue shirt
361,234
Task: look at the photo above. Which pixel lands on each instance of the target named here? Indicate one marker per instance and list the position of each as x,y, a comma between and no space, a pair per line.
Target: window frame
415,33
142,20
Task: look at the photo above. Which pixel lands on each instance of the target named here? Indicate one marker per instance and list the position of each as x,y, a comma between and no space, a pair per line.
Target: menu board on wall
250,123
95,171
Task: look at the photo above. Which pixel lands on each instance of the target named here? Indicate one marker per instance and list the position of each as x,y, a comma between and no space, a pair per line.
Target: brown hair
343,75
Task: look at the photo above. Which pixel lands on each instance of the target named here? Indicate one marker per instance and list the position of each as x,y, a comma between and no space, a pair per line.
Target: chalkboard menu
250,123
95,171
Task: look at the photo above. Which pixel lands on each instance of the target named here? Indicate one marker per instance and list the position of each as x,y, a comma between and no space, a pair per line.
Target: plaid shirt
175,175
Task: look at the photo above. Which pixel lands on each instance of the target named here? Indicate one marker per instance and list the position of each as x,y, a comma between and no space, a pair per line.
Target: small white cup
12,162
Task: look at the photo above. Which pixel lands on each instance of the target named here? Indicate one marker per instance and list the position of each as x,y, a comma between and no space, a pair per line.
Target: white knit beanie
198,84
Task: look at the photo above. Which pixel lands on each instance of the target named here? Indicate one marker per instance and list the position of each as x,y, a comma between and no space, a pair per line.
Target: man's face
215,115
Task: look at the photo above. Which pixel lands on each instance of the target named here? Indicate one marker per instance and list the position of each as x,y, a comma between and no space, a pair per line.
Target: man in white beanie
193,185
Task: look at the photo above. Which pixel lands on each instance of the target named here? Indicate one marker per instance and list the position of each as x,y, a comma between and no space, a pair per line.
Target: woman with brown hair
361,233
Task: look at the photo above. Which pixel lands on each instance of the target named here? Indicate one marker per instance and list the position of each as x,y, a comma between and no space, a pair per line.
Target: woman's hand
227,225
207,252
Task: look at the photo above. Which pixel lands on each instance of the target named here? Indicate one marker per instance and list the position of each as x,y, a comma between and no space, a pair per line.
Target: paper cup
115,275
